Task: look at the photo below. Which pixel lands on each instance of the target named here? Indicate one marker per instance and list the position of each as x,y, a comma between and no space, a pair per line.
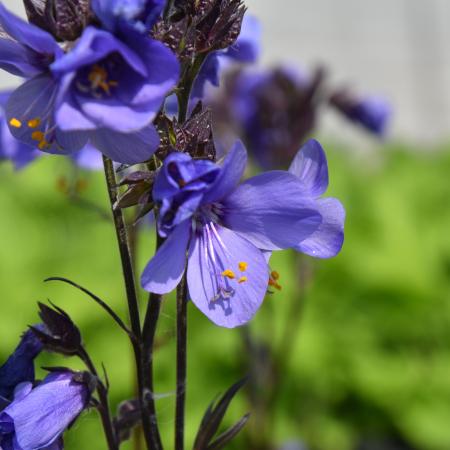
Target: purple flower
19,367
38,417
221,229
107,89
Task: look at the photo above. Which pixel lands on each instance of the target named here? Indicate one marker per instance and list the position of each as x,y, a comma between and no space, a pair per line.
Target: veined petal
231,172
28,34
15,59
165,269
327,240
310,166
233,299
33,101
40,417
127,148
88,158
271,212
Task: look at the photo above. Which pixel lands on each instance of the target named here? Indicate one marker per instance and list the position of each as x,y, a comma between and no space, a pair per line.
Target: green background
371,358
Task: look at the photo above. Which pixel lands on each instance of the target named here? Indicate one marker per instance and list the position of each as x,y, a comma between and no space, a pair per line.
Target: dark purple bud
38,417
64,19
372,113
61,334
128,416
19,367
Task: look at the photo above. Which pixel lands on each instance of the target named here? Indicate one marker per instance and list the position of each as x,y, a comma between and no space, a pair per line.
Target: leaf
213,418
228,435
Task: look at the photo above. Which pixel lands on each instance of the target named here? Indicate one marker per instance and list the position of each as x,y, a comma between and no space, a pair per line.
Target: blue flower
223,230
38,417
107,89
19,367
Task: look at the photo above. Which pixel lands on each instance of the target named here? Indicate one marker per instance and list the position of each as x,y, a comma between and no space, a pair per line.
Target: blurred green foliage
372,354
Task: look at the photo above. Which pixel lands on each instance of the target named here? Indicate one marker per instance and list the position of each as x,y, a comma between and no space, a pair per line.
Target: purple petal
34,99
328,239
41,416
226,302
88,158
93,46
126,148
15,59
271,211
310,166
165,269
28,34
231,172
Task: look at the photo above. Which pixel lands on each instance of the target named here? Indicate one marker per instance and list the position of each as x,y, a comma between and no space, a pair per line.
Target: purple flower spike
225,229
19,367
38,417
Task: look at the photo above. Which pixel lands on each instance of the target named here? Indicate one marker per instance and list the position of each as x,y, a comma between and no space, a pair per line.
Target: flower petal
15,59
271,211
88,158
328,239
28,34
213,251
165,269
41,416
231,172
310,165
126,148
33,100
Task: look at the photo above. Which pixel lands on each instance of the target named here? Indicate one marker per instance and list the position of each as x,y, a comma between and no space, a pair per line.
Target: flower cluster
103,88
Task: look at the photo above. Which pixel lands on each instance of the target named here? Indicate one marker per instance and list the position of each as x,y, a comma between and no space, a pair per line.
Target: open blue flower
38,417
221,229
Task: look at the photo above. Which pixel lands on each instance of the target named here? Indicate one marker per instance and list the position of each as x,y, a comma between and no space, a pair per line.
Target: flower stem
184,92
125,257
181,363
133,305
148,339
103,407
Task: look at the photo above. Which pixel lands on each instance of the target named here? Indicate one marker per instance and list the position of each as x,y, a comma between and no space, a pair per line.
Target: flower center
96,81
227,280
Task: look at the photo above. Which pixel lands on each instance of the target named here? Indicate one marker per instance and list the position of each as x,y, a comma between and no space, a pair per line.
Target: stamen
242,279
229,274
34,123
43,144
37,135
243,266
275,275
16,123
274,284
